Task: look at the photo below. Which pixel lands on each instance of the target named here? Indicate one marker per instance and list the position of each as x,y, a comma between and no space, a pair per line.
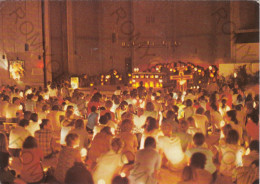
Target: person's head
151,124
108,115
214,107
198,139
72,140
150,143
188,103
166,128
29,96
30,142
70,108
187,174
130,108
68,114
232,137
55,108
226,129
170,115
117,145
223,101
45,124
79,124
140,111
108,104
4,160
198,160
127,125
120,180
149,106
78,174
106,130
3,143
253,117
34,117
191,121
232,116
254,145
16,100
24,123
27,115
200,110
45,108
93,108
183,126
103,120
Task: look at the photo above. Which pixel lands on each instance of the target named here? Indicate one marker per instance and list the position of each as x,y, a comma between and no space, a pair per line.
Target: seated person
110,163
68,156
78,174
198,140
253,155
45,138
6,175
147,163
82,133
171,147
31,157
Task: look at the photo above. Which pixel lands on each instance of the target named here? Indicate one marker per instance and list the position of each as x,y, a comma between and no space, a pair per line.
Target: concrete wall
79,34
194,26
20,23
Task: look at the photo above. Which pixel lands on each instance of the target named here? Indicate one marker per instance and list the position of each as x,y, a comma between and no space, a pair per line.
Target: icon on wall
16,69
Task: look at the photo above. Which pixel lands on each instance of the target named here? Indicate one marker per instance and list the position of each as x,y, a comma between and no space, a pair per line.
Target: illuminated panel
74,82
151,84
16,69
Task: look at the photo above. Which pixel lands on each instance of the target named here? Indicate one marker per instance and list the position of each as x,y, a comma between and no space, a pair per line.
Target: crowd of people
136,136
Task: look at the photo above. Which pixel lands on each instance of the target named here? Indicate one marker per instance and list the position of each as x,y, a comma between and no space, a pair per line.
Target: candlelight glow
83,152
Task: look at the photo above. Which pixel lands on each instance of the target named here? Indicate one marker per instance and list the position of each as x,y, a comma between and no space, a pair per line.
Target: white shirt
209,166
172,149
33,127
146,162
107,164
200,122
17,137
11,110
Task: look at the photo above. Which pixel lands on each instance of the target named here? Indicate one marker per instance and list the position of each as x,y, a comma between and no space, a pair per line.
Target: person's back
100,144
18,135
109,163
4,106
31,157
199,140
30,104
82,133
147,162
201,120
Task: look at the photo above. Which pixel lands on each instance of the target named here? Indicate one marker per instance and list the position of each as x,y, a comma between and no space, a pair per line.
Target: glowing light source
235,75
195,69
91,84
210,67
182,82
122,174
160,80
101,181
20,107
74,82
83,152
211,75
